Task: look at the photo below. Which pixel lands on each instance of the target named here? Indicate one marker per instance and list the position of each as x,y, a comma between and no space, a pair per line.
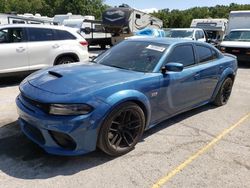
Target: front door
180,90
13,50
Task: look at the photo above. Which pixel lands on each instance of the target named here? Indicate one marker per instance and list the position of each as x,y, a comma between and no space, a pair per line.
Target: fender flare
139,98
228,72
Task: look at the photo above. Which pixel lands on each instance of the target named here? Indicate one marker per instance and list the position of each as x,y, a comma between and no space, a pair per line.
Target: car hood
67,79
237,44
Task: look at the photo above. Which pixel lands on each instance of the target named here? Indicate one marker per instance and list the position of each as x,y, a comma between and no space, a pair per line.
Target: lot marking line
183,165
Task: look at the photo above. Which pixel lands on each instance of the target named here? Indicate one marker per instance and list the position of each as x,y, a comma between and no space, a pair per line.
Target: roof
35,26
168,41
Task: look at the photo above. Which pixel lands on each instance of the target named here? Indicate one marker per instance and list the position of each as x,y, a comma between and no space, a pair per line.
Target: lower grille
35,133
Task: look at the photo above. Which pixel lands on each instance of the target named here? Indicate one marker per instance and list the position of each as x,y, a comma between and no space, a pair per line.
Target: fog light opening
63,140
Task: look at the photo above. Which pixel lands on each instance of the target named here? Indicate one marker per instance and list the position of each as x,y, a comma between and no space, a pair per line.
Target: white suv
32,47
187,33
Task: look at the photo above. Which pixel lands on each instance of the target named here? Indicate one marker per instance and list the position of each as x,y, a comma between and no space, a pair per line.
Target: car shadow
12,80
244,65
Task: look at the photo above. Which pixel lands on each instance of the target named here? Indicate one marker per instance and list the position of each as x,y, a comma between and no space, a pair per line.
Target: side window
64,35
201,35
138,16
197,36
182,54
40,34
11,35
215,54
204,53
4,36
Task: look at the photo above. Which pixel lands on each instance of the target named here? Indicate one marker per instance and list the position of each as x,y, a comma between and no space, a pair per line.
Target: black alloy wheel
224,92
122,129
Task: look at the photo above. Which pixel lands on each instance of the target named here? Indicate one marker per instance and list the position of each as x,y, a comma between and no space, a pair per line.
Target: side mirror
87,30
172,67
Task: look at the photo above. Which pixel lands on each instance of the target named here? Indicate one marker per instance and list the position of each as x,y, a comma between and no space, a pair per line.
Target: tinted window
138,16
238,36
40,34
64,35
182,54
205,54
138,56
11,35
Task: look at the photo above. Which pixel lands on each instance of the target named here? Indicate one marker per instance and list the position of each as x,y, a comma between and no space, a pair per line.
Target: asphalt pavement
205,147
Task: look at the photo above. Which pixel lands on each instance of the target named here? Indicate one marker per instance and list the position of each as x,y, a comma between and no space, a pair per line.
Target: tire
103,46
224,93
65,60
122,129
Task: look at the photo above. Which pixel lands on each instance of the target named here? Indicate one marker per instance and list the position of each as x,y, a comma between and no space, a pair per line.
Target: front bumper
60,135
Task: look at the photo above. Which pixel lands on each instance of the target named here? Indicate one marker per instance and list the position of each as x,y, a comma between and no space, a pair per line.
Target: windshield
180,33
238,36
138,56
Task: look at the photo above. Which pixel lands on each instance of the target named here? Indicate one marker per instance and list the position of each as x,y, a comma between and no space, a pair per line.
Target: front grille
237,51
42,106
35,133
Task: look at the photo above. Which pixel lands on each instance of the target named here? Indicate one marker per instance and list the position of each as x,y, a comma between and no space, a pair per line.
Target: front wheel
224,93
65,60
122,129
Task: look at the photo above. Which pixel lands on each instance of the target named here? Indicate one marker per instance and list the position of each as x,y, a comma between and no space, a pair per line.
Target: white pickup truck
237,42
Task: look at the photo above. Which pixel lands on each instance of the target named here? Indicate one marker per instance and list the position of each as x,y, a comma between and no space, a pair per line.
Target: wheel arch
227,73
134,96
70,54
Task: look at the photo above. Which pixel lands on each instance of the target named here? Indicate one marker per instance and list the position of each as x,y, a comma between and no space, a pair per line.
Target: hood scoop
55,74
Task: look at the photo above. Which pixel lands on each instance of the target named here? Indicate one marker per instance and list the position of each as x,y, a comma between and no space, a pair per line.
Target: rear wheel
65,60
122,129
224,93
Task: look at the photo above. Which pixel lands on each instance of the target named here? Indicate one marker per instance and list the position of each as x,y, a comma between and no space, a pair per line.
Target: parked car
72,109
188,33
32,47
237,42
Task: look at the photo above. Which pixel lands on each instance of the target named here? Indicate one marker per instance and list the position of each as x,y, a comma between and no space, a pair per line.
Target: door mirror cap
172,67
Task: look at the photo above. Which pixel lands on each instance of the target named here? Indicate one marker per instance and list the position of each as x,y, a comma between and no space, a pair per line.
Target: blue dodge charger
109,102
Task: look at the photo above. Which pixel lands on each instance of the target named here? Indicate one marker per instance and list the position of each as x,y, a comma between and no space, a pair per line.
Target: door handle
20,49
196,76
55,46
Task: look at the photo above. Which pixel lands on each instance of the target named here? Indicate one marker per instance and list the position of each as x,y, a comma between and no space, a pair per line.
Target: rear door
41,47
209,64
13,50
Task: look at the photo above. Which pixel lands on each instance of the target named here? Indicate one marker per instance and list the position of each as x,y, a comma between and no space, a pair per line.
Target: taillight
84,43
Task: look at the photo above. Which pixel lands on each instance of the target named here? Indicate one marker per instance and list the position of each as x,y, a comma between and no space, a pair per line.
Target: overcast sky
175,4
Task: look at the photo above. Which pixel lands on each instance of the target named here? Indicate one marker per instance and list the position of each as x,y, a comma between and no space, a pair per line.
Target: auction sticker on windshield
156,48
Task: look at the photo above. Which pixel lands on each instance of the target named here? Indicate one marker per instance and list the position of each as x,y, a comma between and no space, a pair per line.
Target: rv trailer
92,30
24,19
215,28
124,21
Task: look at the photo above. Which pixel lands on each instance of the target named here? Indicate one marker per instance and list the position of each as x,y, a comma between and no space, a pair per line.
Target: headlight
70,109
222,49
